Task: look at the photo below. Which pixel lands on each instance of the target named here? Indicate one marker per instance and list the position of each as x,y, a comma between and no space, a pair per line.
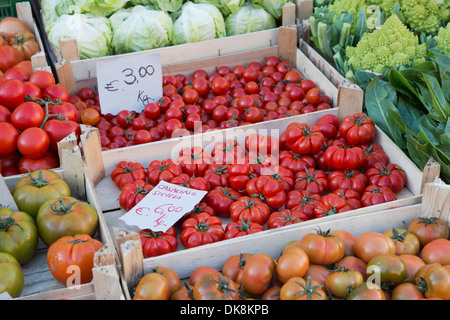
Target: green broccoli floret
443,39
425,15
392,45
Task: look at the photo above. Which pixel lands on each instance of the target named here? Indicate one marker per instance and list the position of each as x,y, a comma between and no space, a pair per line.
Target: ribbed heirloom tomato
375,195
389,175
267,189
302,201
293,262
247,207
331,204
303,138
241,228
342,280
312,180
201,229
158,243
164,170
285,217
127,172
343,157
297,288
132,193
221,199
348,179
357,129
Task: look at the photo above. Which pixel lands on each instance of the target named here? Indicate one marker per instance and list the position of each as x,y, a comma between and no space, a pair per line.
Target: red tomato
220,199
9,57
375,195
307,85
374,153
56,91
42,79
312,180
285,217
194,161
249,208
302,201
163,170
5,114
344,157
228,152
49,160
240,174
201,230
357,129
331,204
315,96
33,142
269,190
66,109
293,262
127,172
436,251
352,197
329,126
217,175
158,243
295,162
304,139
258,143
59,129
12,93
26,115
8,138
132,193
390,175
348,179
242,228
220,86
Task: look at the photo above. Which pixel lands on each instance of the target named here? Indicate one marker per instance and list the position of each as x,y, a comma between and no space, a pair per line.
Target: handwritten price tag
162,207
129,82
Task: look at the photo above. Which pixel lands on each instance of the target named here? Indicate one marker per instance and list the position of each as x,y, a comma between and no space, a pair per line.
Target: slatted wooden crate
39,283
436,203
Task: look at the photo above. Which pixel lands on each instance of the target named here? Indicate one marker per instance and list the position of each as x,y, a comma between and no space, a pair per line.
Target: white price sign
129,83
163,206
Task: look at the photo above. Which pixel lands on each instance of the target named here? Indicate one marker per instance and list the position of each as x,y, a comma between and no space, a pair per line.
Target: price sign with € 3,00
129,83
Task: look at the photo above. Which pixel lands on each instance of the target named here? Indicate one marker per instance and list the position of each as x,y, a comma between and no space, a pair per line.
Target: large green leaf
409,113
441,110
378,97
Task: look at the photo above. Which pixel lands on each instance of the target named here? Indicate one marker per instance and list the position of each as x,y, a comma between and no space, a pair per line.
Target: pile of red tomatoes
308,172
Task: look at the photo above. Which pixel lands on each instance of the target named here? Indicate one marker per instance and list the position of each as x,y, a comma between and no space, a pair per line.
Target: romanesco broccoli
348,6
392,45
386,6
425,15
443,39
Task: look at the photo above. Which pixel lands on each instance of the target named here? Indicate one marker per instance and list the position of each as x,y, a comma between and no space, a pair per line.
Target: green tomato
390,268
65,216
18,234
33,190
11,276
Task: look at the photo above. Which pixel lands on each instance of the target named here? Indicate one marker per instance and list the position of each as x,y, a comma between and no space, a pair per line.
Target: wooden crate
39,283
184,260
436,202
75,73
